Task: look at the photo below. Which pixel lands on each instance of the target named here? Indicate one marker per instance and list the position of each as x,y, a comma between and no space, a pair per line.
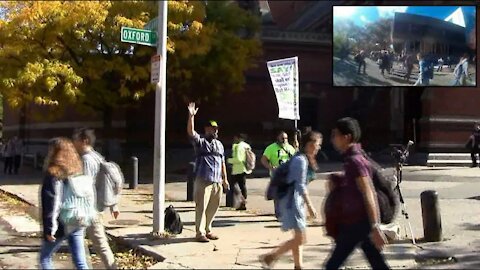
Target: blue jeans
77,248
422,82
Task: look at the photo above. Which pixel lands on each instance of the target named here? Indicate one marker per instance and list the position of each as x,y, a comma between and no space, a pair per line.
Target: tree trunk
23,122
107,132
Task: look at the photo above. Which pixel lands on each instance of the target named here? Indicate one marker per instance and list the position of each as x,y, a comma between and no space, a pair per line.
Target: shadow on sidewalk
471,227
19,250
144,239
21,179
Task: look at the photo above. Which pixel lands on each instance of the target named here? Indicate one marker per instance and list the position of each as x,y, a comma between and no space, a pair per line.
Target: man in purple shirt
210,175
359,221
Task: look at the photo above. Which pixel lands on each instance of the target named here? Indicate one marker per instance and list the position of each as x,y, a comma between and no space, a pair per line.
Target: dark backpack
469,144
430,71
388,200
279,186
173,223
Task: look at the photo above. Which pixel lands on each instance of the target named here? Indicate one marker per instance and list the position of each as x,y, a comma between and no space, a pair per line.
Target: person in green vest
277,153
239,170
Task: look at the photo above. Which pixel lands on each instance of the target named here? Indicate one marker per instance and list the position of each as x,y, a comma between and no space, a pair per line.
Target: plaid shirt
210,156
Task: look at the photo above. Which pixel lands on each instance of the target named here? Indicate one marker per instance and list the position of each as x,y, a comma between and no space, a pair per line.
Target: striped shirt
210,156
91,163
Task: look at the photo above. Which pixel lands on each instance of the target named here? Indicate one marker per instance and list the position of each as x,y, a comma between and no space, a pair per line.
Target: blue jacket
423,66
51,198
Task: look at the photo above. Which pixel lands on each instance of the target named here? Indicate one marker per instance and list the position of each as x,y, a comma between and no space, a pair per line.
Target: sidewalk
247,234
244,236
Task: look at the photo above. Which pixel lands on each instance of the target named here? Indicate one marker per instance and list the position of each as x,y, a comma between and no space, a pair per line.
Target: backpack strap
288,153
212,153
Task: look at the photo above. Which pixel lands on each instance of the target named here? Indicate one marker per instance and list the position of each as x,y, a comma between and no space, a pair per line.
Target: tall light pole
160,120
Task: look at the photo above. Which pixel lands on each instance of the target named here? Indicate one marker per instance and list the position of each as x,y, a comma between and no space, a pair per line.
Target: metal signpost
160,119
158,76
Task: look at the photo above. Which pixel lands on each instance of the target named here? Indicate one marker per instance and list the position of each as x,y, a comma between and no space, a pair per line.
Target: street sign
155,68
152,25
139,36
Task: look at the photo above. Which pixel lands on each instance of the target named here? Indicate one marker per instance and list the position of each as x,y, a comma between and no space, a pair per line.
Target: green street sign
152,25
139,36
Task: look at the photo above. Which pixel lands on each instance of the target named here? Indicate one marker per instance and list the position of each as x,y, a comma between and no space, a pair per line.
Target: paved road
458,189
460,219
345,74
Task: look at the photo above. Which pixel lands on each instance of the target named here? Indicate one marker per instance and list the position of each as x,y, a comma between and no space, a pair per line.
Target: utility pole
160,121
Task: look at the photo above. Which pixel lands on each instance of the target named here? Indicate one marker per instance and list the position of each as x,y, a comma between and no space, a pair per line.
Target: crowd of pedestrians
73,167
12,152
386,59
359,227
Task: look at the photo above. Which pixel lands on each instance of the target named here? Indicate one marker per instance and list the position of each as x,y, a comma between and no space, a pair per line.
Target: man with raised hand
210,175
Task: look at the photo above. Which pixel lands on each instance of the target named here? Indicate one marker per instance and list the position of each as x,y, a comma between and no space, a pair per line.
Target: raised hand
192,109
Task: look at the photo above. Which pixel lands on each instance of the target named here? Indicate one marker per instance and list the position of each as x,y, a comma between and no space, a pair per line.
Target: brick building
414,33
438,118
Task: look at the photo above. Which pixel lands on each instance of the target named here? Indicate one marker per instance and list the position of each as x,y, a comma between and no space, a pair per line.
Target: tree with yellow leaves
64,53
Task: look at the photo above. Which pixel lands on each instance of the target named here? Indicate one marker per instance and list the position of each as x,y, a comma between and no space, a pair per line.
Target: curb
18,197
144,250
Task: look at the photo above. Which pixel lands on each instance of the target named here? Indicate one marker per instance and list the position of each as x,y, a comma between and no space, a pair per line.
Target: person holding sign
275,154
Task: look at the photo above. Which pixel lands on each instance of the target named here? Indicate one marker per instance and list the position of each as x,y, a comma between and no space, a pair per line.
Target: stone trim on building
64,125
296,37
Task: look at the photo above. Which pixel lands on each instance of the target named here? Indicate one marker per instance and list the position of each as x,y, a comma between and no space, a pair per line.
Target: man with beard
275,155
210,175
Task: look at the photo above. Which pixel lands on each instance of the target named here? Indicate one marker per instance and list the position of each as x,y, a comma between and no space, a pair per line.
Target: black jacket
476,138
51,197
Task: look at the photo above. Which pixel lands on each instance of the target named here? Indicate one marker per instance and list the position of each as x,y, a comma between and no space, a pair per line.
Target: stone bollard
134,179
432,223
190,180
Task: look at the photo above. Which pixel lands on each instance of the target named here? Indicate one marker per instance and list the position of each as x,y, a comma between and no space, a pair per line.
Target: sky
362,15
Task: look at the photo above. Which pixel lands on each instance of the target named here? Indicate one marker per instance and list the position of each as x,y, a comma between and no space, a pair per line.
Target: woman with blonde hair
61,163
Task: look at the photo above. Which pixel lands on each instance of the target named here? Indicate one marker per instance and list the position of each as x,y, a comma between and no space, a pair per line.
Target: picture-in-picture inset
404,46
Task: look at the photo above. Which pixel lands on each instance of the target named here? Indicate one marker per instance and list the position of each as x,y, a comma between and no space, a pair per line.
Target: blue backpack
279,186
78,201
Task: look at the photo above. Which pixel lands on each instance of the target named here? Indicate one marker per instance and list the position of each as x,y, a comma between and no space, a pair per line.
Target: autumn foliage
63,53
